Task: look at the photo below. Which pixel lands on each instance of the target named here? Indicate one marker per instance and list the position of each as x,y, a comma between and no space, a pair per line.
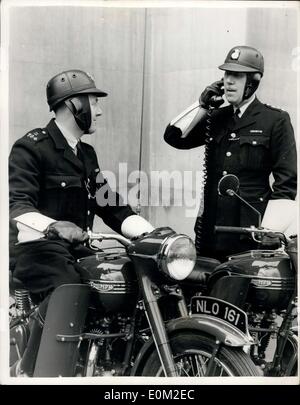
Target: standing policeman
248,139
56,189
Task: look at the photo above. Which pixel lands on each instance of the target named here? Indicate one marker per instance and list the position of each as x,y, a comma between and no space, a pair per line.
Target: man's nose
98,112
229,79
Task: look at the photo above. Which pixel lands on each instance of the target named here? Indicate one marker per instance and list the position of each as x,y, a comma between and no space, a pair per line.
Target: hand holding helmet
212,95
66,230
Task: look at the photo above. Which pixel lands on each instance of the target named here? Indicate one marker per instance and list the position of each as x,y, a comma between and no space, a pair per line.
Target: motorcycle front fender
220,330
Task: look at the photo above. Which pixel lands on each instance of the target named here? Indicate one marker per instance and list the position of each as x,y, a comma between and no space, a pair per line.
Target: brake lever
93,247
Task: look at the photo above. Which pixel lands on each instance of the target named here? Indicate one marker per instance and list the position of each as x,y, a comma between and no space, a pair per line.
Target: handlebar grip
231,229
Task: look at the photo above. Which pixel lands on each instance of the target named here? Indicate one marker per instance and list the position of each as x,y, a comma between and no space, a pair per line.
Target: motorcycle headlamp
177,257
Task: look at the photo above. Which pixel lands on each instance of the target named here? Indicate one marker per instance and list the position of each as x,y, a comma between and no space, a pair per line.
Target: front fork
160,337
151,294
157,327
211,367
283,334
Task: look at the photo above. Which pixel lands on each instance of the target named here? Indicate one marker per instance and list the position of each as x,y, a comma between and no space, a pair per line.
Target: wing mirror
229,186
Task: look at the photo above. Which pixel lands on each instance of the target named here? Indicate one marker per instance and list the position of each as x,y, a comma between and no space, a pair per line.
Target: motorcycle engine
263,280
111,277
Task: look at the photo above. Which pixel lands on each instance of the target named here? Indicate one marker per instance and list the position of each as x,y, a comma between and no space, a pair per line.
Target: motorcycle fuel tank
267,275
111,277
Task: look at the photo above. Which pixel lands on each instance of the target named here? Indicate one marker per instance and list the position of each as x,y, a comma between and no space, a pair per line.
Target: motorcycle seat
203,268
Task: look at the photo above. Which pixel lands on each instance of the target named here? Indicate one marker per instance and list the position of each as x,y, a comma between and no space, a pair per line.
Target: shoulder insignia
273,108
36,134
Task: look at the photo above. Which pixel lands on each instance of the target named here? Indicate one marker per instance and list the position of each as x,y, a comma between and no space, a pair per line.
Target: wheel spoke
195,365
192,363
200,363
192,356
183,367
203,365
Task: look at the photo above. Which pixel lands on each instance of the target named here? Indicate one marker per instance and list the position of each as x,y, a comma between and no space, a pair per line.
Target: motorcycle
129,317
263,283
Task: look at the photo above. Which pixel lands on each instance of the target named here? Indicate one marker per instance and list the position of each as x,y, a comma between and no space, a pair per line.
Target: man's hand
66,230
212,95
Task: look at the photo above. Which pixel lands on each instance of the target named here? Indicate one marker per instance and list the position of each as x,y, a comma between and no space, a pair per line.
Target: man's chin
233,102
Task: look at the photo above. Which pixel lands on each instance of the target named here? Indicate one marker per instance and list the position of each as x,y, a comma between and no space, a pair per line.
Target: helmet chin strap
81,110
251,85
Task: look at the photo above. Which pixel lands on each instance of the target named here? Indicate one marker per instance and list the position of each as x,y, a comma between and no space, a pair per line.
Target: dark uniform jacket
47,177
259,143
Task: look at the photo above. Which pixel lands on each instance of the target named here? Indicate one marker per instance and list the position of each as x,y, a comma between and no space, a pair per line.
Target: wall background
153,62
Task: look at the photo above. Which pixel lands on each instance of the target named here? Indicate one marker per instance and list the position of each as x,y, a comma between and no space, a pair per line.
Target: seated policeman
54,183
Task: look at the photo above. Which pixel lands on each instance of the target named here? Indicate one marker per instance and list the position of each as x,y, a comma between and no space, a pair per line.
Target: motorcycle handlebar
233,229
251,231
108,236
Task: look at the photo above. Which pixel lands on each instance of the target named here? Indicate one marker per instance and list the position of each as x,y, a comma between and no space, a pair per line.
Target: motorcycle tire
192,352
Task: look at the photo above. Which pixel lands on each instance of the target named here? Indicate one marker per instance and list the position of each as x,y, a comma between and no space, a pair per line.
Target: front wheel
192,352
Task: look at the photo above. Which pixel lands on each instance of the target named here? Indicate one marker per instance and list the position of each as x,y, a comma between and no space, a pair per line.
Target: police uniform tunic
47,177
261,142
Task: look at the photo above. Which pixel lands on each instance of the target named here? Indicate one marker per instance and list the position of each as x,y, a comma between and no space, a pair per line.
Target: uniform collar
253,109
60,142
250,115
69,137
244,107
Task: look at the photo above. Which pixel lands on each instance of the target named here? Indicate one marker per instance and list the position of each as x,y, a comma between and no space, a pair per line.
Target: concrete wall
274,32
184,49
147,85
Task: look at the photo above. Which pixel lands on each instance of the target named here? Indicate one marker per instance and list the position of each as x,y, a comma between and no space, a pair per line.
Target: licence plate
220,309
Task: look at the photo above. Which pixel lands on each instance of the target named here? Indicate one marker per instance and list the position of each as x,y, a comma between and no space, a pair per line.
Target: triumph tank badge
100,286
235,54
261,283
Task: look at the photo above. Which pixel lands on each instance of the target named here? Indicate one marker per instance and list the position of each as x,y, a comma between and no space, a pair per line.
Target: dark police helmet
244,59
68,84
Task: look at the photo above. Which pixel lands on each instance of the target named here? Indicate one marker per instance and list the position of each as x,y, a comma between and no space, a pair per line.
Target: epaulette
274,108
36,134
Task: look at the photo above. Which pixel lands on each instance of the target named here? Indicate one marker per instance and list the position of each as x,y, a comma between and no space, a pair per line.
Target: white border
4,352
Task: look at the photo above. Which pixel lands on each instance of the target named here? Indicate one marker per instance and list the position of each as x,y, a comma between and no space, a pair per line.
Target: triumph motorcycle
262,283
129,317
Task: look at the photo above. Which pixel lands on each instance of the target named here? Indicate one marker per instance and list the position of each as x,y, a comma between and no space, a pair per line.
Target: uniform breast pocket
62,193
61,182
254,152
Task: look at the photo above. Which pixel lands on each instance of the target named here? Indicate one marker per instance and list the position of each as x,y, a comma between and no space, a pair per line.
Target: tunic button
63,184
43,132
261,199
88,212
88,228
228,153
254,143
210,139
224,173
233,135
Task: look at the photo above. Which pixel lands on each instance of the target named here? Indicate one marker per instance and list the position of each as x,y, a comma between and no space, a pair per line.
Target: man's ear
257,77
